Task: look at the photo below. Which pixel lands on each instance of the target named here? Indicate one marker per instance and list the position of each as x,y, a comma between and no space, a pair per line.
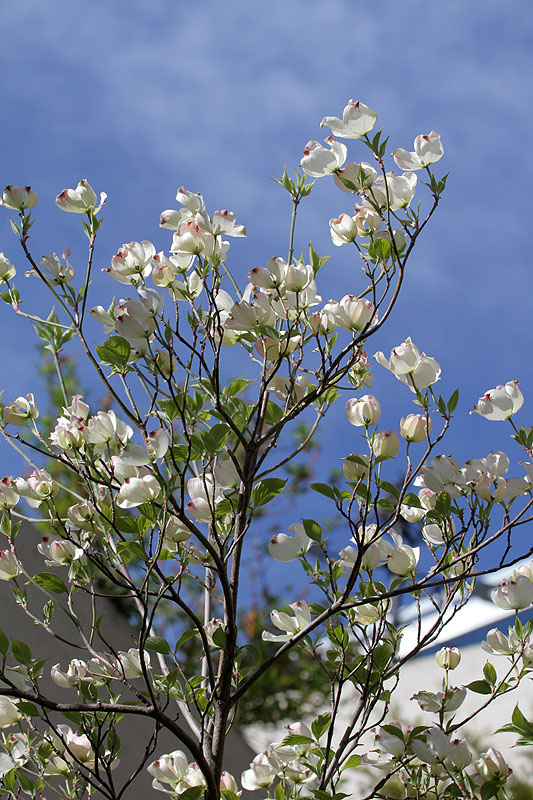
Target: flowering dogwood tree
169,481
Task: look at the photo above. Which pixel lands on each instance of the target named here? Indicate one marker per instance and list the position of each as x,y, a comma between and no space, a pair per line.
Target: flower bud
370,613
318,161
226,475
498,644
79,200
355,313
38,487
434,749
492,765
228,783
18,199
415,427
427,498
386,444
403,559
21,410
59,273
297,277
175,533
460,755
343,230
454,698
288,548
515,593
7,270
169,768
411,513
8,496
403,359
438,533
262,772
448,657
322,322
363,411
130,663
9,714
271,276
355,177
9,566
59,551
500,403
357,119
427,150
136,491
367,220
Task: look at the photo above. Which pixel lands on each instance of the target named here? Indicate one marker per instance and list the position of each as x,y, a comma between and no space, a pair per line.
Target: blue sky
141,98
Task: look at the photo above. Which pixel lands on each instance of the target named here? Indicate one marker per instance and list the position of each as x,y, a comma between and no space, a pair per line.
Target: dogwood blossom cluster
156,495
294,763
432,754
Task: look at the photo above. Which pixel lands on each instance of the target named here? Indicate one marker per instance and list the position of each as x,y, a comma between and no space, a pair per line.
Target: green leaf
237,386
219,637
411,499
321,724
519,725
185,636
394,730
26,783
22,652
48,611
194,793
158,644
452,402
390,488
479,687
490,673
443,504
28,709
148,511
9,780
170,408
296,738
379,249
115,351
5,525
381,656
273,413
4,643
323,488
225,506
490,789
312,529
279,792
126,524
131,551
353,761
50,582
320,794
266,490
214,439
386,502
73,716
